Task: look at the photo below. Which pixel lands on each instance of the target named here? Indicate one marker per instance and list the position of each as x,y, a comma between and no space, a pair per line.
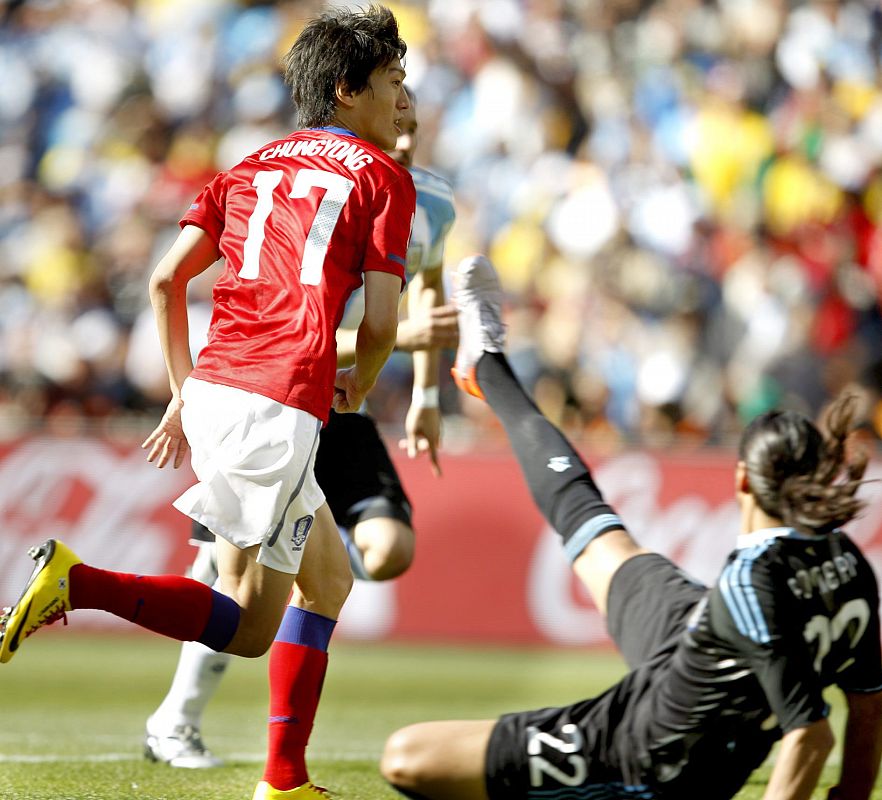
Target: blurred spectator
683,197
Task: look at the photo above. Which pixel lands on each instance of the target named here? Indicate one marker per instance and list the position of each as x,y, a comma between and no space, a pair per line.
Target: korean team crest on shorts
301,531
559,463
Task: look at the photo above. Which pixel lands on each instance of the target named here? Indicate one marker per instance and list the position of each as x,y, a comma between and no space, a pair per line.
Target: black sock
560,482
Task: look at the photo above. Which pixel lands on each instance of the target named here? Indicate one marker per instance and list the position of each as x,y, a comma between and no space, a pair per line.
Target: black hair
342,46
805,478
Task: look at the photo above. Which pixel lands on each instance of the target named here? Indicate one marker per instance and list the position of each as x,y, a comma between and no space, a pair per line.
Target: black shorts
563,751
354,470
649,600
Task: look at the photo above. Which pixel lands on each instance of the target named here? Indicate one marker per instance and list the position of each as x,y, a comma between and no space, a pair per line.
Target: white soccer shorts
253,458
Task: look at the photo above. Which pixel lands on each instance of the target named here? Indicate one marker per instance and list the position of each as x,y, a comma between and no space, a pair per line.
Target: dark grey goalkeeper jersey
790,615
720,676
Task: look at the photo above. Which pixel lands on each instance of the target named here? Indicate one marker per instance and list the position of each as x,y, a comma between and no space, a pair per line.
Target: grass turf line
74,708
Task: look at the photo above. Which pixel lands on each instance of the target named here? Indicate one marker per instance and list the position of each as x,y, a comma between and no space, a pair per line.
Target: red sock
297,665
296,675
168,604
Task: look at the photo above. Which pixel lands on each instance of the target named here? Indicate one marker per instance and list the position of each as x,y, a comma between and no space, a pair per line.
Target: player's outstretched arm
375,340
800,762
431,322
423,422
192,253
863,747
435,328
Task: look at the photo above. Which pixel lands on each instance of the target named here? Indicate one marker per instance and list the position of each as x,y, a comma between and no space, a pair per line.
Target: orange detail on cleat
468,382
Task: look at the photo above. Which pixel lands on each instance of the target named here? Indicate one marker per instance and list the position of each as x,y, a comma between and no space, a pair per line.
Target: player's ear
345,96
742,485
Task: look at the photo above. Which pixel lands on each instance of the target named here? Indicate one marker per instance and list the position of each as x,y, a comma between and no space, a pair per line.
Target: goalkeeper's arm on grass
862,749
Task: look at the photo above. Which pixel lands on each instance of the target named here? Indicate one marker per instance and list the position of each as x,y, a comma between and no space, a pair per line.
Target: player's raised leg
242,621
594,537
448,760
171,605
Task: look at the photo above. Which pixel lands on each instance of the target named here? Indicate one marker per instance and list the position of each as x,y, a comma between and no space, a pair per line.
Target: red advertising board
487,569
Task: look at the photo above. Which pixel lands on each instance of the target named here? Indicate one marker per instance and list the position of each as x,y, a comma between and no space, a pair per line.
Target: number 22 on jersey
851,619
315,248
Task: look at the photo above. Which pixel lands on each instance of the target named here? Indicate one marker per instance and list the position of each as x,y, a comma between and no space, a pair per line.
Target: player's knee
249,647
403,761
391,559
387,547
254,635
601,559
335,588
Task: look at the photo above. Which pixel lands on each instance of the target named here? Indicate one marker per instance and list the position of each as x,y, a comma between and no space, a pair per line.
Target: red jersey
297,222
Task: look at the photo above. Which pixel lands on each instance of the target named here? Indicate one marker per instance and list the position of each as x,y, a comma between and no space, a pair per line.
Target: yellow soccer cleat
308,790
45,599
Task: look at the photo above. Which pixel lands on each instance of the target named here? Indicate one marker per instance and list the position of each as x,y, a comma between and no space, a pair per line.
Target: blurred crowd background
683,197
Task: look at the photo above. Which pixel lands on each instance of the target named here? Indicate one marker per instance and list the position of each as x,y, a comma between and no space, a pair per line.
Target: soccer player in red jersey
300,223
352,465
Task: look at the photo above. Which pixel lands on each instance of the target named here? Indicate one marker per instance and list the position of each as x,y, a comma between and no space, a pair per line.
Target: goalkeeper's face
407,139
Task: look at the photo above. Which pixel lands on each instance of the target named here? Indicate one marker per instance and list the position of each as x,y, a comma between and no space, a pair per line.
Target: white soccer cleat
181,747
478,299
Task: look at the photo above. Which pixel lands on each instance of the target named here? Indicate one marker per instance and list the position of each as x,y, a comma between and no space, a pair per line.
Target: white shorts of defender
253,458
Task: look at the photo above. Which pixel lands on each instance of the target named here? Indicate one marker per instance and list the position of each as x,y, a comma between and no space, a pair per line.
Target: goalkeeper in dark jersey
717,674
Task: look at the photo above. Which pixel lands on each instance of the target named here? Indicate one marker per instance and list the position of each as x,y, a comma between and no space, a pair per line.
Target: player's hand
423,429
167,442
438,328
348,395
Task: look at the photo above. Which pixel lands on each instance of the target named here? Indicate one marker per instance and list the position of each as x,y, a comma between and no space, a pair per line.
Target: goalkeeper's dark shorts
649,602
565,752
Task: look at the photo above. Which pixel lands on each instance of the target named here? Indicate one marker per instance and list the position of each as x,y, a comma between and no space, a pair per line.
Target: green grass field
73,711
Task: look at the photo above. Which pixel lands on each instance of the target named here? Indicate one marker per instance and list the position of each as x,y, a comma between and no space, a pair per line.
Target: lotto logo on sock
301,531
559,463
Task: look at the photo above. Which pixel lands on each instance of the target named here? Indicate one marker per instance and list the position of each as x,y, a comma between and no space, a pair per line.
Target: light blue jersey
433,219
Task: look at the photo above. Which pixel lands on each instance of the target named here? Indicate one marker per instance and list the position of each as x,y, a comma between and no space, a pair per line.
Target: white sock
197,677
